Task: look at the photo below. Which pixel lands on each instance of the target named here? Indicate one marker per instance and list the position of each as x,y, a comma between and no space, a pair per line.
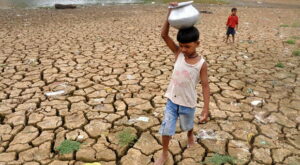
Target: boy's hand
173,4
204,116
165,32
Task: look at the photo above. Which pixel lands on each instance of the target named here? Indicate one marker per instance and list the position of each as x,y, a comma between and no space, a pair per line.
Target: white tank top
185,77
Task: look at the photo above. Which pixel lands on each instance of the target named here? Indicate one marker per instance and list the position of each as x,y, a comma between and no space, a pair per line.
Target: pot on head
183,16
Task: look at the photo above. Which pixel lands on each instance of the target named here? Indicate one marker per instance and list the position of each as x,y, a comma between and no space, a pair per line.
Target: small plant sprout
126,137
279,65
68,146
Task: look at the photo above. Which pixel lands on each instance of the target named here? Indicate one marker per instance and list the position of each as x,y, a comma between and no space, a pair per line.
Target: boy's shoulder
233,17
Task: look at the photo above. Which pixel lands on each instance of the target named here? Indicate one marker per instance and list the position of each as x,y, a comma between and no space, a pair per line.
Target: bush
279,65
126,137
284,25
68,146
296,52
290,41
218,159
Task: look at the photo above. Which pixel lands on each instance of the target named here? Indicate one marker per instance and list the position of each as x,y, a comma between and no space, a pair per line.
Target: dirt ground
109,69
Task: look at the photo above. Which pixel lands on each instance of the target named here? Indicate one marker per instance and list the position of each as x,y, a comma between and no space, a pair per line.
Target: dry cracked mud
108,66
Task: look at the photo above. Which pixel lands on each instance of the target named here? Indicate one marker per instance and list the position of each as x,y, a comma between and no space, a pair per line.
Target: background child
232,24
189,68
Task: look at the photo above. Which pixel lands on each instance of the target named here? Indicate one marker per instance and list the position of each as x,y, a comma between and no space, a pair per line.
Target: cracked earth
108,65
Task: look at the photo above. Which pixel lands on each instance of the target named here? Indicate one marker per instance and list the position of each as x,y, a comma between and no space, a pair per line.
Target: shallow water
7,4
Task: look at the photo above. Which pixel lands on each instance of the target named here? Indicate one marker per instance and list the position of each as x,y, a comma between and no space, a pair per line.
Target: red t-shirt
232,21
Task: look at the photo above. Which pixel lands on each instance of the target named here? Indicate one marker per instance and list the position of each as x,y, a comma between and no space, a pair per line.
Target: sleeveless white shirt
185,77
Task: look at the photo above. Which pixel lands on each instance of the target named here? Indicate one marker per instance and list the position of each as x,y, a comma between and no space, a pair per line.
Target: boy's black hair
233,9
188,35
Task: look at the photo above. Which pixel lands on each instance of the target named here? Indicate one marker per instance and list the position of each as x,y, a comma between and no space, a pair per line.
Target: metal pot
184,15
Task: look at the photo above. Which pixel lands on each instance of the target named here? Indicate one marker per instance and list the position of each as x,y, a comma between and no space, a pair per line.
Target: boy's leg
191,139
164,156
227,37
233,34
186,118
167,129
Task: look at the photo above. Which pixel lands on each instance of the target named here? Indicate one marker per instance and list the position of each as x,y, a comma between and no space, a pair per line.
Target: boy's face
234,12
188,49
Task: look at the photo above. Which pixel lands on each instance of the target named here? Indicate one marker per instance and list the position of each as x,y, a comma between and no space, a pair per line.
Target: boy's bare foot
191,141
161,161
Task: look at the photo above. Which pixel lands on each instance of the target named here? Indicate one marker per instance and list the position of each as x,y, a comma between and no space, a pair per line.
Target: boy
232,24
189,67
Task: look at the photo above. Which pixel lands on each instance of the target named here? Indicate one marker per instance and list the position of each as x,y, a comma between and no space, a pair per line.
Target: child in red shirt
232,24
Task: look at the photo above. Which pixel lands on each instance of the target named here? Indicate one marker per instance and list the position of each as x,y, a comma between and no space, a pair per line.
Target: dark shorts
231,31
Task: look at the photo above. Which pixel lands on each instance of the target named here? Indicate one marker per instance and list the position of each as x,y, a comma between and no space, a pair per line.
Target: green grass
284,25
279,65
294,163
126,137
46,7
296,52
290,41
295,37
218,159
68,146
296,24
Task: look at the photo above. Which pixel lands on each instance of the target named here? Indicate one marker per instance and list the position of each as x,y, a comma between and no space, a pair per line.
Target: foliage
218,159
296,52
290,41
296,24
68,146
284,25
126,137
279,65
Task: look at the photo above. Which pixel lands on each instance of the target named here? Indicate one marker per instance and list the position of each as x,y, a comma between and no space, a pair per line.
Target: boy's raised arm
165,35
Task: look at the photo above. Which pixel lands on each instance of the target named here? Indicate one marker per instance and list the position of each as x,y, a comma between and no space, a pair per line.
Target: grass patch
284,25
296,24
296,53
279,65
218,159
68,146
294,163
290,41
295,37
46,7
126,137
